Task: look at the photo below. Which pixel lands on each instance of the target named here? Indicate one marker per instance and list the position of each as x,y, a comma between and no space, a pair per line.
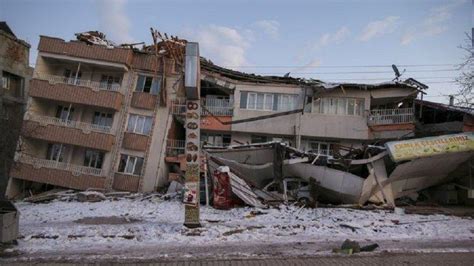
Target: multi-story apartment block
15,74
96,118
112,117
332,117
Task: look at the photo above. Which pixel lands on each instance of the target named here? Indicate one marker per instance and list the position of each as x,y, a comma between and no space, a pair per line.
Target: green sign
431,146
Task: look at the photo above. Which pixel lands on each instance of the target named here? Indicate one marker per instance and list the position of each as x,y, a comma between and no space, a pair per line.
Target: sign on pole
192,127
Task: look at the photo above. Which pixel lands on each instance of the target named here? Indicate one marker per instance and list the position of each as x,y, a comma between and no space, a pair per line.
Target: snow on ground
53,226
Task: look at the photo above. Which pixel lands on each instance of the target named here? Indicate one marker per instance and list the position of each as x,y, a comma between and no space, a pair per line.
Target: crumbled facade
112,117
15,74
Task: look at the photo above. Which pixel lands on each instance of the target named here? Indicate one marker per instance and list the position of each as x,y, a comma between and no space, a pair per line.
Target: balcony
67,133
218,107
136,142
174,147
144,100
391,116
85,127
126,182
57,173
85,92
82,50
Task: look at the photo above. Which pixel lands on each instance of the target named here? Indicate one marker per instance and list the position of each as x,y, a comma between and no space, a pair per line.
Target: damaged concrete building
96,116
320,117
108,117
15,73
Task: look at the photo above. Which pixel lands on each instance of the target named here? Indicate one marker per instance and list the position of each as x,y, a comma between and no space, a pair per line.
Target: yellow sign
425,147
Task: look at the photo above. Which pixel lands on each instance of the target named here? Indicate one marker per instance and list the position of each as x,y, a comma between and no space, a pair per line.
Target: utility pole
192,125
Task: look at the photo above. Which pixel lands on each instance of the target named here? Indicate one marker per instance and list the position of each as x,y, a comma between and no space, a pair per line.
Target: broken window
319,147
148,84
130,165
258,139
12,85
216,139
139,124
93,159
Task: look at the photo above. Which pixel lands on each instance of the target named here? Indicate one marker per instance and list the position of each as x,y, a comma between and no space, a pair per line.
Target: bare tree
465,95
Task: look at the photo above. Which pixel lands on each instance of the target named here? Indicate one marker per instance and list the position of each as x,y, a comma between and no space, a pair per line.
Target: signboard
193,162
425,147
190,194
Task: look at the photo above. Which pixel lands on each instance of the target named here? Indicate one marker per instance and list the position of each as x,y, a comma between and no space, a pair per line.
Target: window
130,165
70,77
286,102
258,139
148,84
267,101
5,81
102,119
93,159
216,139
109,82
319,147
251,103
338,106
56,152
139,124
65,113
12,85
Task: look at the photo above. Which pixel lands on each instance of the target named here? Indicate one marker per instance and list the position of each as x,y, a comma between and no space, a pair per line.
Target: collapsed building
110,117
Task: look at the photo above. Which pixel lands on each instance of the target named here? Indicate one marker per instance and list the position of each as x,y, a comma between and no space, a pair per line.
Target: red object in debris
222,191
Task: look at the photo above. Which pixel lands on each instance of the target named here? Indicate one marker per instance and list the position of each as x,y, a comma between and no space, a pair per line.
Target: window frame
128,158
95,158
103,119
136,124
328,145
321,105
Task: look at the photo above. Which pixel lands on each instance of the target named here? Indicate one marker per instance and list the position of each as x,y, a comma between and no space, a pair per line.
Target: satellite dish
395,69
287,75
397,73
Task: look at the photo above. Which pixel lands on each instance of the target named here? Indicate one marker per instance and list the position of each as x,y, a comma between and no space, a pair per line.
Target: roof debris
94,38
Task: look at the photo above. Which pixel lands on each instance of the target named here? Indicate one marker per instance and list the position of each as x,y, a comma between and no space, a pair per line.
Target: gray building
15,75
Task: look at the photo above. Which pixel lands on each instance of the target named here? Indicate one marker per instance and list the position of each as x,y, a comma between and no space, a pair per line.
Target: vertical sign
192,127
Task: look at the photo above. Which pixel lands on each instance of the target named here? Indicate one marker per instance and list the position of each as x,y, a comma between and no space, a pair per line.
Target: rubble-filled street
154,228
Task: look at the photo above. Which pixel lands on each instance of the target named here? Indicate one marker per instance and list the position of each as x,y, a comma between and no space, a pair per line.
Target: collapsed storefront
376,174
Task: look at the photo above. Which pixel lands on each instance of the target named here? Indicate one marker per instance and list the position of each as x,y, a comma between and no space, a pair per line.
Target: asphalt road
445,258
436,252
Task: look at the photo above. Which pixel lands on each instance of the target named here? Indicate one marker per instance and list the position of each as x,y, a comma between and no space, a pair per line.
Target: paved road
444,259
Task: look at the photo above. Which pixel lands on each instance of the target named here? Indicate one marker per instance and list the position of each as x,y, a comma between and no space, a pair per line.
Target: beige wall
312,124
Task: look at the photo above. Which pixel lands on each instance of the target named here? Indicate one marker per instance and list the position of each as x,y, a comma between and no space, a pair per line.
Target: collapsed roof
210,67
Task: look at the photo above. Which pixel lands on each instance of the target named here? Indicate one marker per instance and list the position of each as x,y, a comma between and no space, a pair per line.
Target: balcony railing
174,147
95,85
391,116
75,169
218,107
86,127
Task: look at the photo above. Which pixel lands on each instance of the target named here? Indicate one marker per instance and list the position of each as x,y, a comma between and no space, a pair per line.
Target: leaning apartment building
96,118
112,118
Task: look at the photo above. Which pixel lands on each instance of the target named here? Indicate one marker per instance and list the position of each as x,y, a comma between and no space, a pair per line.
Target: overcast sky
346,41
